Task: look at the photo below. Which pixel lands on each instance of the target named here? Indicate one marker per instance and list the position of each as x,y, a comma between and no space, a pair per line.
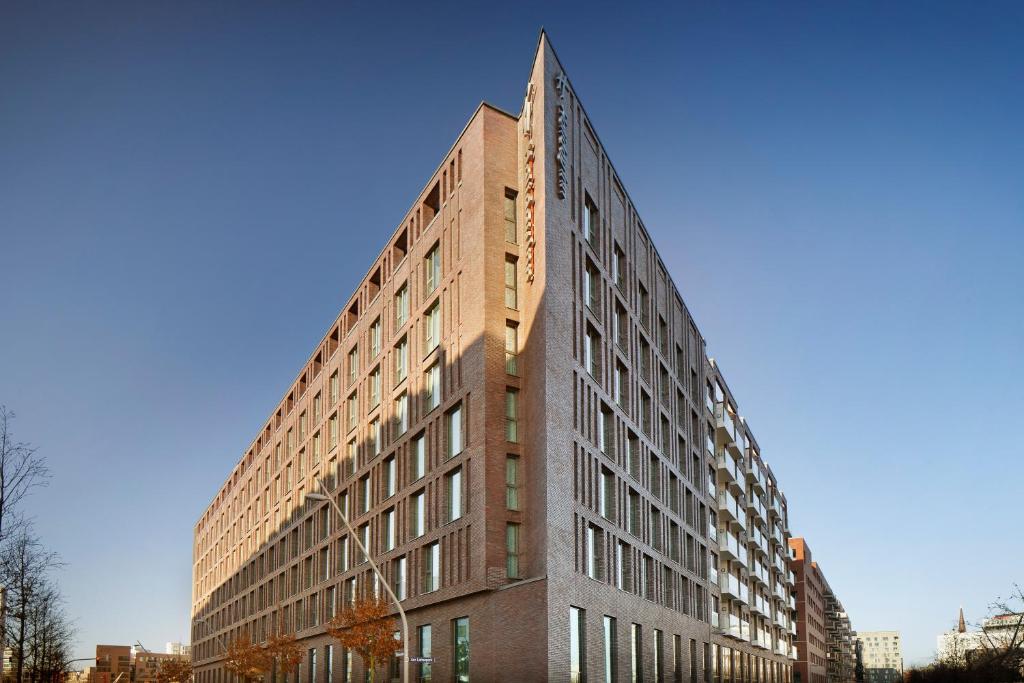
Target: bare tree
21,470
24,568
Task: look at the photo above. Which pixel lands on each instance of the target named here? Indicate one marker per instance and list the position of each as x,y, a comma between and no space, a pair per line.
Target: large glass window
419,457
577,644
433,380
512,348
425,650
401,360
454,420
460,638
510,216
512,415
432,270
512,482
512,550
432,328
432,567
511,288
418,514
610,651
401,306
636,655
454,494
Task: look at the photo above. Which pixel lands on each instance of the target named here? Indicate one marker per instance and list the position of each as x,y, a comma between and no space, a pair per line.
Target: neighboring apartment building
509,410
177,648
753,611
839,640
113,663
811,645
882,656
147,665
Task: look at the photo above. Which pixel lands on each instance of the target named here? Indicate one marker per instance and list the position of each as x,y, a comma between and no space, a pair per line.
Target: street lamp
209,629
376,570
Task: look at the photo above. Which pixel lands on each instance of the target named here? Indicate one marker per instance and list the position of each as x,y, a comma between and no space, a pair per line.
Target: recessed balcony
727,465
728,545
756,477
725,424
756,508
729,586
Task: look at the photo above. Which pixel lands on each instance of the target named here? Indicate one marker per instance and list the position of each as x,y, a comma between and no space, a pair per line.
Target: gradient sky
189,192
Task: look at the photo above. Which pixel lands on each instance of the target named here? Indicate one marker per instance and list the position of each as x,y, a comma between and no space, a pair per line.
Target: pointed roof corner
962,626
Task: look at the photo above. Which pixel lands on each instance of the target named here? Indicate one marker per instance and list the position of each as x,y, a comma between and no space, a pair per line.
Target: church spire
962,626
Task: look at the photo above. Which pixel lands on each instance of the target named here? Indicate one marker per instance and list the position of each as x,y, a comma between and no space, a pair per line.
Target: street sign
422,660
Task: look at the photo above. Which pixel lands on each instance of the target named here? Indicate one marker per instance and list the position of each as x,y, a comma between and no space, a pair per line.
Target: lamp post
325,496
206,623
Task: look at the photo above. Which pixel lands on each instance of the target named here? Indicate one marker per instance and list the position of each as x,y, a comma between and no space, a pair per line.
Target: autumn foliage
368,629
177,670
251,661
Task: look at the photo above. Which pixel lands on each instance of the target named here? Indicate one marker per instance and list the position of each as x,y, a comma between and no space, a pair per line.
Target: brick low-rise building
516,412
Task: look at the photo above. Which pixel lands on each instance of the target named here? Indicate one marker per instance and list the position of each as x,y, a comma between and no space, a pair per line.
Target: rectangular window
592,353
390,476
511,232
329,650
353,364
595,552
606,494
332,431
659,648
426,648
512,550
311,661
460,639
636,666
418,514
400,583
364,494
401,360
375,440
591,223
374,385
389,530
401,306
611,647
401,414
453,488
375,338
433,381
431,567
432,270
419,457
577,645
334,388
512,415
619,267
512,348
591,283
432,328
512,482
353,411
454,423
511,288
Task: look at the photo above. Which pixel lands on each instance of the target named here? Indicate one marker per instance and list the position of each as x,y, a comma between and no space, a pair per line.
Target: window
424,638
633,514
374,384
334,389
591,353
611,647
353,411
401,306
418,514
432,328
419,456
389,530
606,494
510,216
375,440
401,360
636,668
353,364
401,413
577,644
375,338
332,431
432,270
454,423
512,415
431,567
659,648
365,494
606,430
512,550
591,293
400,583
594,550
364,539
511,288
619,267
512,482
453,487
390,476
512,348
460,638
311,662
591,223
433,380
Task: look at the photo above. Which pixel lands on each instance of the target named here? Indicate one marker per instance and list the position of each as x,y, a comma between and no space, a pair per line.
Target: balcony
792,652
741,556
790,578
732,626
760,605
777,507
725,425
759,572
792,602
712,488
792,627
777,536
712,533
756,508
780,593
781,648
780,620
756,477
731,587
728,545
728,507
780,565
709,446
727,464
713,574
709,403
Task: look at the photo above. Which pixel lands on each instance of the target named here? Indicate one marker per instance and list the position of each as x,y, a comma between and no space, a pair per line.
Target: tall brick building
516,412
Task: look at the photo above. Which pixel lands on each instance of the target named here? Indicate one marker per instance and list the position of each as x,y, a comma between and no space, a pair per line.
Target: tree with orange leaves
369,629
176,670
283,648
246,659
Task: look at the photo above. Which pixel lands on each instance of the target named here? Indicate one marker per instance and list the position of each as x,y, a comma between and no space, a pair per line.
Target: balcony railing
732,588
777,506
712,488
757,507
724,421
728,506
728,545
777,535
756,476
781,648
726,463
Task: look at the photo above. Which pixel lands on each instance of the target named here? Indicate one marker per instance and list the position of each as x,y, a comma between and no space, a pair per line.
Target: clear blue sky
190,191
